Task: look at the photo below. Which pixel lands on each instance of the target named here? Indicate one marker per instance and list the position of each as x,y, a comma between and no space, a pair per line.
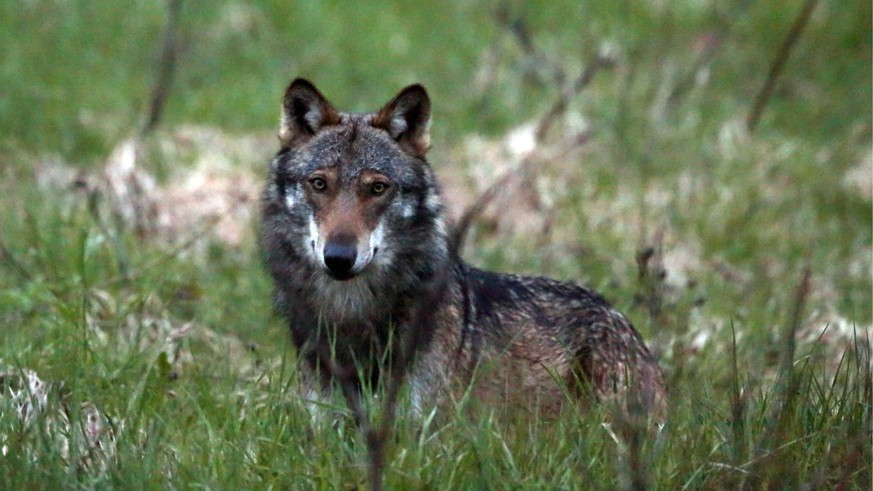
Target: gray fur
506,339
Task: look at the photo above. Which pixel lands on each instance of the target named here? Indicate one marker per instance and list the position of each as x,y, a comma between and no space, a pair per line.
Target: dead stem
778,64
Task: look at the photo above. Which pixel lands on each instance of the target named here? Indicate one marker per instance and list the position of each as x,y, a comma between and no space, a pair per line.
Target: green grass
734,219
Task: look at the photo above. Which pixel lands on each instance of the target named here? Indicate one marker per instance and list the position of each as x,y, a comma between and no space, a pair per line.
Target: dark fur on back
517,340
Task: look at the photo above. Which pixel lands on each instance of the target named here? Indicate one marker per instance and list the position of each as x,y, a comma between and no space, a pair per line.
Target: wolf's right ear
304,112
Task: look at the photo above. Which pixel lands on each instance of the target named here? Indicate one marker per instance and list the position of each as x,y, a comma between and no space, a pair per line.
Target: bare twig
738,405
704,57
534,159
651,274
537,65
786,362
528,164
521,34
197,235
409,340
169,53
633,426
121,259
404,350
778,64
9,259
559,107
516,27
788,390
708,49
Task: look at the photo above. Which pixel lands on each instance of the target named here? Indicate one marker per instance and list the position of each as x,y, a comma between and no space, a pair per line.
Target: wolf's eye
378,188
318,184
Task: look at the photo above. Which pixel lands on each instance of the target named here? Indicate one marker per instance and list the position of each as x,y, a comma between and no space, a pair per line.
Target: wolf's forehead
353,148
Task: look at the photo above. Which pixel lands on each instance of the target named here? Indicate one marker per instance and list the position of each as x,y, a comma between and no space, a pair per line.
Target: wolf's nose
340,259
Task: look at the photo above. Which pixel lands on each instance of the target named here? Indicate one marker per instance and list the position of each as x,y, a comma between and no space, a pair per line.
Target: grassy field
139,300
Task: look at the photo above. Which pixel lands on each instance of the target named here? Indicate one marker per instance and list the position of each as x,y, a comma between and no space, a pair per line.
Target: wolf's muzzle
340,259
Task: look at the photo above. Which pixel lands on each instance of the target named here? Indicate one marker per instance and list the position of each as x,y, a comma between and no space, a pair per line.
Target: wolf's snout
340,259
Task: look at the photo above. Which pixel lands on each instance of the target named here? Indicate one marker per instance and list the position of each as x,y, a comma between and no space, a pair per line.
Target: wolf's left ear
407,119
304,112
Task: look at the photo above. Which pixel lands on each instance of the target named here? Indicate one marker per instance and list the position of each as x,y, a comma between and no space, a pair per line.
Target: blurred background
77,76
705,164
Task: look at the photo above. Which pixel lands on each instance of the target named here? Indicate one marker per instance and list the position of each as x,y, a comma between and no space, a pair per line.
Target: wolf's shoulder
506,290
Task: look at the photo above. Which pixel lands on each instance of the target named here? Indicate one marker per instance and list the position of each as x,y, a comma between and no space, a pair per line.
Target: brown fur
371,286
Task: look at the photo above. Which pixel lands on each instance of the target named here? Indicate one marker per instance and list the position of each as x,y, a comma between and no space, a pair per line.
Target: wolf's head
351,195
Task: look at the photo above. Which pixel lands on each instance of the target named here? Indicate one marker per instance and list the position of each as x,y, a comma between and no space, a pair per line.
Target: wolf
355,238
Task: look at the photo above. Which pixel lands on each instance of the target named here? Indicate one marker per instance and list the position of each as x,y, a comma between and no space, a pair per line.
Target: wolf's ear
304,112
407,119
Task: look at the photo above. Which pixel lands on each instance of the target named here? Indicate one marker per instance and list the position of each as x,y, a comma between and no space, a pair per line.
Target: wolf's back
519,334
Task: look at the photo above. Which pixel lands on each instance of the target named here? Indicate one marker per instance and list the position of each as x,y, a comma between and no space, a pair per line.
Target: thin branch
532,161
778,64
711,44
9,259
738,406
197,235
787,393
706,55
377,436
517,28
536,64
786,364
409,340
559,107
121,259
169,54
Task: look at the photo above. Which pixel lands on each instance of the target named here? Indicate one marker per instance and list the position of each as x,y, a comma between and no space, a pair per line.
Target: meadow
139,349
